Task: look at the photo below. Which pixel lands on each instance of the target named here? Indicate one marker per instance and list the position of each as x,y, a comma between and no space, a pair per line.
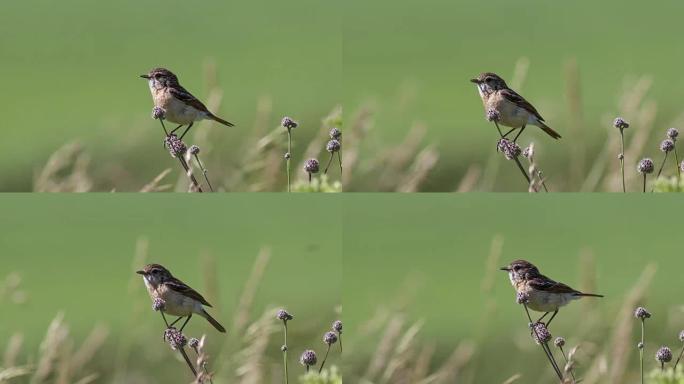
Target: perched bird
542,294
178,298
177,104
511,109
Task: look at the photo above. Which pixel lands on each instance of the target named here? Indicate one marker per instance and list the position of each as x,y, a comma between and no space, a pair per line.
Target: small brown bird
542,293
512,109
178,105
179,299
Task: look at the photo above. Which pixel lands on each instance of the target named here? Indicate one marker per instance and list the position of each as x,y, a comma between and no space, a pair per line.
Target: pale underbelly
544,302
181,113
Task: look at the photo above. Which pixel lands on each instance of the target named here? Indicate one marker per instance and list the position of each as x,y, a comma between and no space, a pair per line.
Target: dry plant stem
187,360
622,159
339,339
324,359
289,150
204,172
545,347
517,161
641,350
285,351
679,358
332,154
188,172
662,165
565,357
644,183
204,368
679,171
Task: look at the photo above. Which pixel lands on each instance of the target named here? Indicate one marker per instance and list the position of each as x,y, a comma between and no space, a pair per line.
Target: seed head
522,297
175,338
620,123
311,166
510,149
193,343
664,355
645,166
540,334
175,145
158,304
157,113
672,133
283,315
308,358
528,152
493,115
330,338
194,150
641,313
335,134
337,325
333,146
681,336
667,145
559,342
288,123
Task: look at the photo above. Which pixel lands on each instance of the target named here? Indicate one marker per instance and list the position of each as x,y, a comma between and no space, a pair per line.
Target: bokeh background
248,255
427,298
70,75
407,66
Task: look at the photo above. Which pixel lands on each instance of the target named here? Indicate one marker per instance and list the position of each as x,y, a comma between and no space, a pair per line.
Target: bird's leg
542,318
518,135
186,322
175,129
175,321
164,317
498,129
552,316
164,127
186,130
507,133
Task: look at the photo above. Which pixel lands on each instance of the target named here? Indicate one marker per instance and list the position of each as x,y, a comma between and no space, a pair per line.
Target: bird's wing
182,288
183,95
520,101
545,284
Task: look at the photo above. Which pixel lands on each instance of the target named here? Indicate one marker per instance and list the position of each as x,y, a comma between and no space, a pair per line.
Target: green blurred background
75,254
70,73
411,62
426,256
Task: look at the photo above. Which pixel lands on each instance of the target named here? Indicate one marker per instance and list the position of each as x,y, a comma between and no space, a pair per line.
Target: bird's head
154,274
160,78
489,82
520,270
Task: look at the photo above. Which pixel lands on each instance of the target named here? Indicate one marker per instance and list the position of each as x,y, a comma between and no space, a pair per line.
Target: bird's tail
589,294
548,130
220,120
213,321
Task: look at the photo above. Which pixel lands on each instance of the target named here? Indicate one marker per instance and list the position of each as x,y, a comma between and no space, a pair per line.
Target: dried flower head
528,152
288,123
664,355
641,313
283,315
287,155
175,145
158,304
510,149
540,334
158,113
667,145
681,166
333,146
337,325
175,338
522,297
493,115
681,336
311,166
308,358
620,123
195,150
640,345
283,348
335,134
645,166
621,156
330,338
559,342
193,343
672,133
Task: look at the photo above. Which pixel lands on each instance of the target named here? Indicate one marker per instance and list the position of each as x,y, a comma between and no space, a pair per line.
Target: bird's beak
145,76
505,269
476,81
140,272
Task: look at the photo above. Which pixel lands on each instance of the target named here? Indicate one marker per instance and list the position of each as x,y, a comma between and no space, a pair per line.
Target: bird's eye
516,268
157,75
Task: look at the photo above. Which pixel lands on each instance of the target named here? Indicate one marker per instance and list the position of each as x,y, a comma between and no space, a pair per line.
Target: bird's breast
175,111
510,114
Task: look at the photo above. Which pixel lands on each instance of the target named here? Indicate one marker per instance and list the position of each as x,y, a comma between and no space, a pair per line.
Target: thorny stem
641,350
204,172
517,161
289,150
622,159
324,359
285,352
679,358
545,347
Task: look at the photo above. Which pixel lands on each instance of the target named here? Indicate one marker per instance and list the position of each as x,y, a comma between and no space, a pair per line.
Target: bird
541,293
178,298
511,109
176,103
